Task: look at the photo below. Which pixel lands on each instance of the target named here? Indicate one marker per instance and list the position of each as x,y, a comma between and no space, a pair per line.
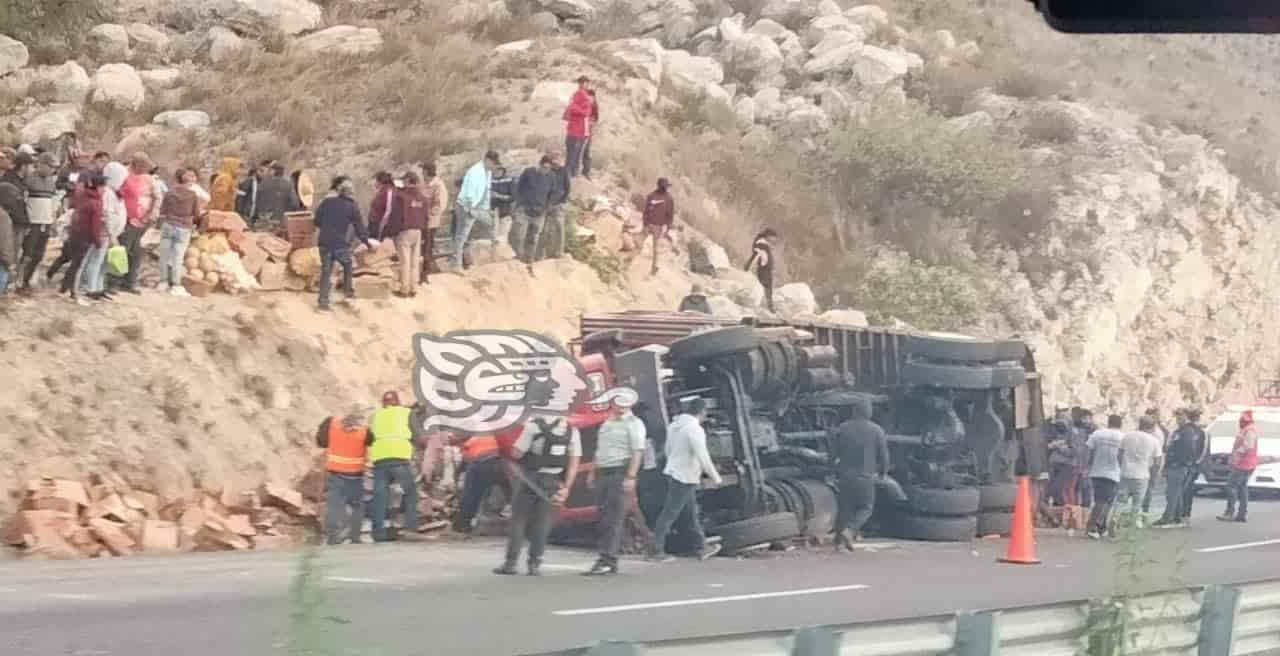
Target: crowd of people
1107,470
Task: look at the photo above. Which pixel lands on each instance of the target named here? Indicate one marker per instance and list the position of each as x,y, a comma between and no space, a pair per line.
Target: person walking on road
391,452
763,261
473,204
547,454
1141,448
1181,463
346,442
1106,452
1244,459
687,462
860,455
620,449
533,198
659,215
335,218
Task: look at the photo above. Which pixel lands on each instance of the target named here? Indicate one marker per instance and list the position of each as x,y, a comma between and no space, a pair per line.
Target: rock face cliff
1143,272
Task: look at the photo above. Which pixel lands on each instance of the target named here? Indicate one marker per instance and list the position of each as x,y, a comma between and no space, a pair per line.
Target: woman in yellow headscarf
223,191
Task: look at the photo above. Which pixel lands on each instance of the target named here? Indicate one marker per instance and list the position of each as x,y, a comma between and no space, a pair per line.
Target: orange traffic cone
1022,538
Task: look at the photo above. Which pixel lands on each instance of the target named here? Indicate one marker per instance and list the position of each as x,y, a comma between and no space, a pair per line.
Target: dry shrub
1052,125
948,89
49,28
175,396
427,144
430,78
1021,81
616,20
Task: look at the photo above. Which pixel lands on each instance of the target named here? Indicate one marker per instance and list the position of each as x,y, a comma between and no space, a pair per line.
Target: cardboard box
274,276
275,247
301,228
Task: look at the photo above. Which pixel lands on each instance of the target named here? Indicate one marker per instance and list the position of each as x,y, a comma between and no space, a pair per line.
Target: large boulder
823,26
641,58
791,13
850,318
187,119
51,123
835,40
739,286
109,43
160,79
706,257
770,28
567,9
745,111
877,67
66,83
340,39
262,17
725,308
807,119
223,44
119,85
768,105
731,28
690,74
871,17
13,55
146,40
643,93
753,57
557,92
838,58
794,299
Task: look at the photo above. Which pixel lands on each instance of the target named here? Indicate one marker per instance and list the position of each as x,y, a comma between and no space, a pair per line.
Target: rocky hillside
943,167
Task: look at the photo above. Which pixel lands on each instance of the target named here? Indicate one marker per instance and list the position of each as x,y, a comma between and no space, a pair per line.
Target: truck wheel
959,376
960,348
757,530
935,529
1001,496
957,502
994,523
714,343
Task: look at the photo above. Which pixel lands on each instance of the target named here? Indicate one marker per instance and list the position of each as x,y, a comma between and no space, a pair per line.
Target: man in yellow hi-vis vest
391,452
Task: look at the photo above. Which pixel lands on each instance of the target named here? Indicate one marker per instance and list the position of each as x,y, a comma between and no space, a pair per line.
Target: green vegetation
927,297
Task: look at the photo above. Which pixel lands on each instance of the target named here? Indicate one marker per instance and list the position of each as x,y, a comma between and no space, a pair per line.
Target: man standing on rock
391,452
1106,452
620,447
659,214
578,117
533,196
346,442
762,258
555,232
473,203
438,194
335,218
547,455
860,453
415,212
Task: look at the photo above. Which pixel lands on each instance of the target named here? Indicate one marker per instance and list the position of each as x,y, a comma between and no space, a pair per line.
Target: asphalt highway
440,598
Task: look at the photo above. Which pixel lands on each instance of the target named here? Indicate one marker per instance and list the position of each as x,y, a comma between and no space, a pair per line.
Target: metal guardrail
1240,620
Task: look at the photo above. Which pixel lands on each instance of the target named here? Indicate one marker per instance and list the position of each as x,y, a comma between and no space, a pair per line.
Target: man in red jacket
580,118
1244,459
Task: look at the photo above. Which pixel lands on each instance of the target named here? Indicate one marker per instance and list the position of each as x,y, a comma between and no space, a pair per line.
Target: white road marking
1233,547
352,579
707,600
73,596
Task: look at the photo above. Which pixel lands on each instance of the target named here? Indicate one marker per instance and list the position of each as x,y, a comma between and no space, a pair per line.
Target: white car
1222,437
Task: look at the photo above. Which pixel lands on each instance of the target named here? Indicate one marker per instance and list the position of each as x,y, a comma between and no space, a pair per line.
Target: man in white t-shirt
1106,452
1141,449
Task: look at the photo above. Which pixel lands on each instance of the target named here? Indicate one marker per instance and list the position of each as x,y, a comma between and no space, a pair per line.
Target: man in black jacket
533,195
1182,466
335,218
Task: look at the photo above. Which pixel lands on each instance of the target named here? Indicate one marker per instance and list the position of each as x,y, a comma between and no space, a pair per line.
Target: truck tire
960,348
994,523
959,376
714,343
1000,496
935,529
958,502
757,530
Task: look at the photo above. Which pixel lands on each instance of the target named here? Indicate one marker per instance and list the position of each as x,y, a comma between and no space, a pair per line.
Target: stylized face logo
486,381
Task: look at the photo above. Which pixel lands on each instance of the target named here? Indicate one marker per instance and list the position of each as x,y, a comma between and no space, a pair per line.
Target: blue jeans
384,474
4,279
173,248
526,234
344,492
682,506
327,257
578,153
467,219
93,275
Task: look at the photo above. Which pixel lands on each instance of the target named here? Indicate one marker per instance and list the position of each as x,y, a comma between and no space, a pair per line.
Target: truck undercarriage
962,414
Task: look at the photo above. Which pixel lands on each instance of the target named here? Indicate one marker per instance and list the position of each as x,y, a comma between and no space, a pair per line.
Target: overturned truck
963,416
